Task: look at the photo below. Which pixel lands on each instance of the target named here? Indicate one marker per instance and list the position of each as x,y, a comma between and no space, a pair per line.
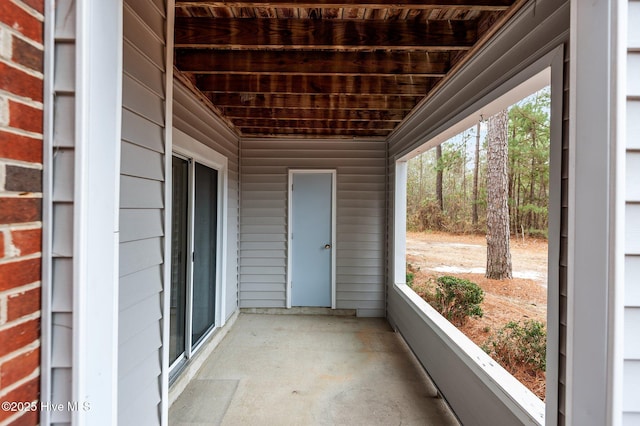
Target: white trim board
595,267
96,210
333,174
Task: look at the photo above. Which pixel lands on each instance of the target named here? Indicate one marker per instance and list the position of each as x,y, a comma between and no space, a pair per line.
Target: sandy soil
433,254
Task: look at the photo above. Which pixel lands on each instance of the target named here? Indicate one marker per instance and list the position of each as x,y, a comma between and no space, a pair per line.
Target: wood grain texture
329,34
401,4
426,64
313,101
325,114
302,62
316,84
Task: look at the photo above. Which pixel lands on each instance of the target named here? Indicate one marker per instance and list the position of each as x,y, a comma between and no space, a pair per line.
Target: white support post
596,202
96,227
400,224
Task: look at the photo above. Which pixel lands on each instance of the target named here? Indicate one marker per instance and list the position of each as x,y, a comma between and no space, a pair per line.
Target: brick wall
21,95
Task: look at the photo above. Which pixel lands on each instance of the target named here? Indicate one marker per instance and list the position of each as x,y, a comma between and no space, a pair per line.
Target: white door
311,238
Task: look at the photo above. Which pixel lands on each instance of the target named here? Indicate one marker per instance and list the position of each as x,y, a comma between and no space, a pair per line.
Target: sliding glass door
179,251
204,251
194,255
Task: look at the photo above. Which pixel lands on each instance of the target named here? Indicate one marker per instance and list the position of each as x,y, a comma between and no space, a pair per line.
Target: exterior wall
21,158
564,243
631,368
196,120
61,204
142,213
360,217
544,28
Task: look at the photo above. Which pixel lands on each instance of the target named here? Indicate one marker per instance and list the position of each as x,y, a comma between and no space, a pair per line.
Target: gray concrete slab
310,370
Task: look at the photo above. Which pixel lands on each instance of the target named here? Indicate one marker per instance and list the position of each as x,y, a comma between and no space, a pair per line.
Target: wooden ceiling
344,69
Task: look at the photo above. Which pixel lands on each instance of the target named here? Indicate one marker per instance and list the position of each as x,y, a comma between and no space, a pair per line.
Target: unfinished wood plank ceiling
326,69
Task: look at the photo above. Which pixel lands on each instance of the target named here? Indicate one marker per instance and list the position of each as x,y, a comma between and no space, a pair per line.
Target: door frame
333,174
188,148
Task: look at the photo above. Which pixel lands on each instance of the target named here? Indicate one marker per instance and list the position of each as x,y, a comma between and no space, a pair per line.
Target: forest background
446,186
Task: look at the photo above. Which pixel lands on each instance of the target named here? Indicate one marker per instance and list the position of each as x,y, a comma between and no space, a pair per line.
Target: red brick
21,304
20,210
21,148
27,55
25,117
26,393
37,5
22,179
29,418
18,273
18,19
28,241
19,336
18,82
19,367
1,245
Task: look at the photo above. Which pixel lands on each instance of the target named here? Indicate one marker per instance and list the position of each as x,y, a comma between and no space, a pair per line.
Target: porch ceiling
326,68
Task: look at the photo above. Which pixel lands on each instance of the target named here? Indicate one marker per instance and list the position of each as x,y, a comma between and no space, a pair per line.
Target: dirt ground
433,254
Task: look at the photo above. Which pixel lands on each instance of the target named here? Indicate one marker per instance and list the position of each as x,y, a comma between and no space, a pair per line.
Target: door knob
327,246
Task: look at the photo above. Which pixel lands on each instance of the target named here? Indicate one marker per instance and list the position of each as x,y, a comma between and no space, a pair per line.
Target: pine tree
439,195
476,168
498,252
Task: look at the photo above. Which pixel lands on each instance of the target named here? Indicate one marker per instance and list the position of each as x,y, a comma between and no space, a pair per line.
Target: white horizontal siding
64,120
64,79
58,351
62,297
140,131
631,386
62,340
64,166
60,387
134,287
631,369
191,117
360,221
141,214
631,273
142,162
139,224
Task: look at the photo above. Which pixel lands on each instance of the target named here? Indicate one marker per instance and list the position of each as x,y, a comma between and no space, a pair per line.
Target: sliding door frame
188,148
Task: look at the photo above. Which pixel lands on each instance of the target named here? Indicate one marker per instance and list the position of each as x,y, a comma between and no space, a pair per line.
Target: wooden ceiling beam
314,124
211,61
326,114
495,5
342,35
312,101
356,85
345,133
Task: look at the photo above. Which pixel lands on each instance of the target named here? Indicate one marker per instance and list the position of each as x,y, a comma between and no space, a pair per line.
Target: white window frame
547,70
188,148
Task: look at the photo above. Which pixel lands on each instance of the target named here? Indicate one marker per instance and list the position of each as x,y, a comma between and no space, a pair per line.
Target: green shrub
411,274
458,299
519,344
410,278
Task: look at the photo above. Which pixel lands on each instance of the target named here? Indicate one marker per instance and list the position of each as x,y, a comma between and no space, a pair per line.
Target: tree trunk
498,252
476,167
464,170
532,179
439,178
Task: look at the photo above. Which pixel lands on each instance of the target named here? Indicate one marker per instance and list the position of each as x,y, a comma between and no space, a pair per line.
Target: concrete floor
310,370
